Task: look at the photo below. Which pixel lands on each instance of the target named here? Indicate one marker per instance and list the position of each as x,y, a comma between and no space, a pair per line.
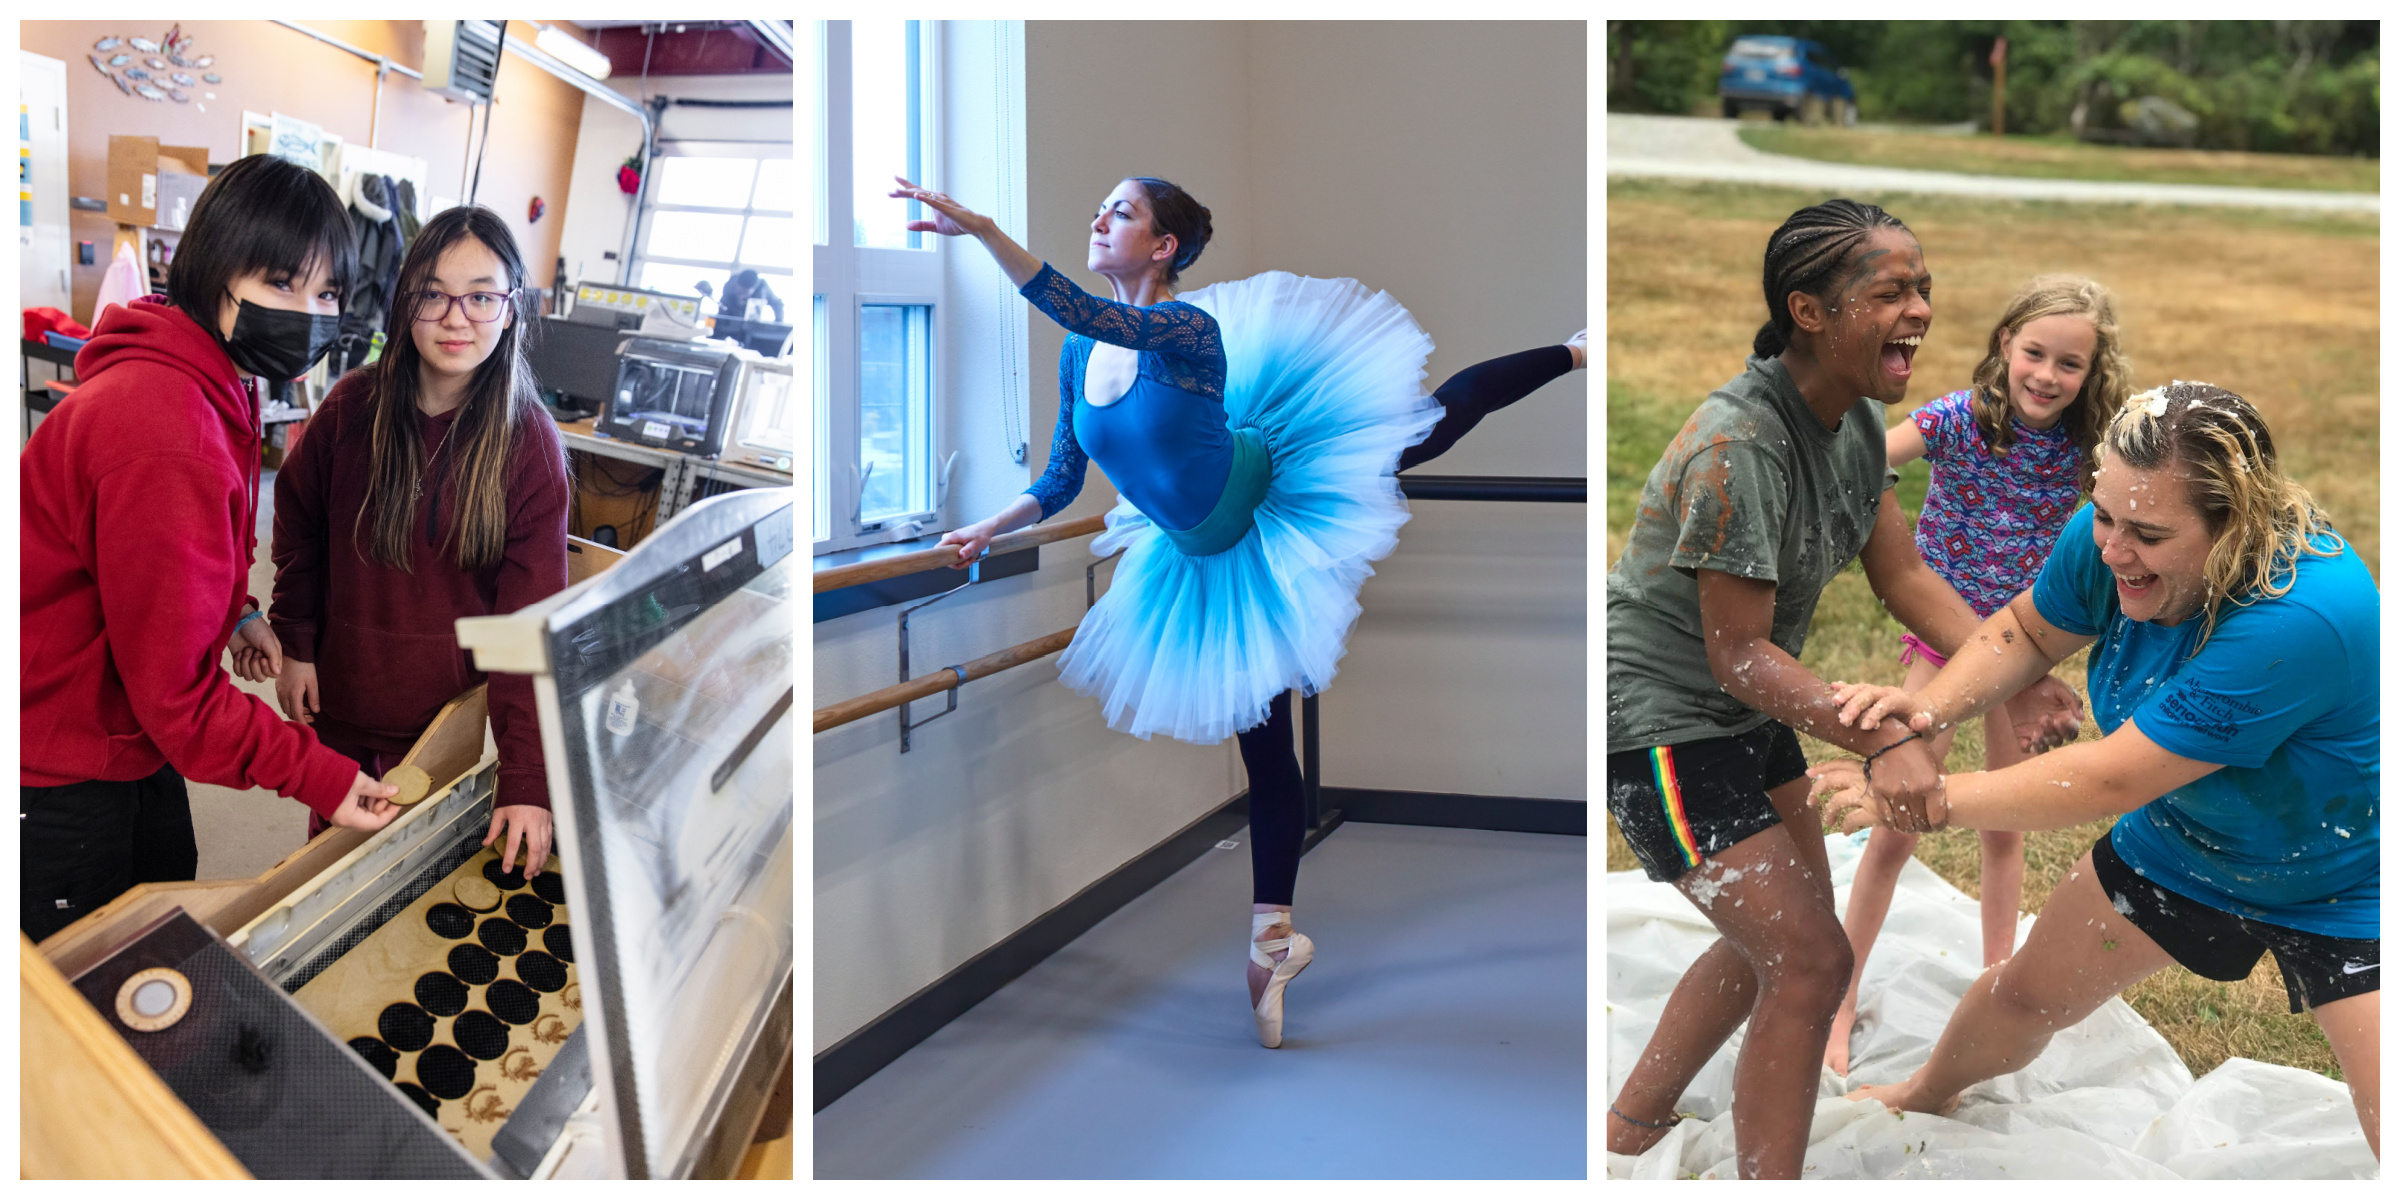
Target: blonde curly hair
2105,384
2262,521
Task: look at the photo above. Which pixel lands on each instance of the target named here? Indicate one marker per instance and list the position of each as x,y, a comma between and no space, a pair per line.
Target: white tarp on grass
2108,1099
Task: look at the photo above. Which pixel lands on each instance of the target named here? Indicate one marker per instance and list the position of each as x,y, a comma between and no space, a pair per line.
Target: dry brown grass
2282,310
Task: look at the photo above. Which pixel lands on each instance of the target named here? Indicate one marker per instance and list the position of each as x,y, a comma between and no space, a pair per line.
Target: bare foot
1837,1042
1902,1097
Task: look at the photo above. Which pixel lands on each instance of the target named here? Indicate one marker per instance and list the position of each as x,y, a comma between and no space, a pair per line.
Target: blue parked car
1786,76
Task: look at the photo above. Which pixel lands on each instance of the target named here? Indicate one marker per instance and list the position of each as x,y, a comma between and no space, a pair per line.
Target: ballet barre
1505,488
944,556
947,679
1531,489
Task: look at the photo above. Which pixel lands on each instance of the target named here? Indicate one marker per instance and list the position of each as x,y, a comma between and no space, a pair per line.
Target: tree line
2303,87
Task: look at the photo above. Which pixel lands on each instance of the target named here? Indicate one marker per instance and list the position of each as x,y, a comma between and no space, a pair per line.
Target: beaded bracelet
1868,767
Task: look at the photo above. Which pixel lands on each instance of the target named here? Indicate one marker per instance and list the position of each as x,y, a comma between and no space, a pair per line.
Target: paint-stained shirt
1990,519
2285,695
1754,486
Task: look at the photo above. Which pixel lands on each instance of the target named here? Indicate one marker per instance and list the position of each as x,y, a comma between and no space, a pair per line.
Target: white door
42,237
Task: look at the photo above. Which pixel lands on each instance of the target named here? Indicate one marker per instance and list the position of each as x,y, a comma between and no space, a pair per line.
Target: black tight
1278,811
1485,388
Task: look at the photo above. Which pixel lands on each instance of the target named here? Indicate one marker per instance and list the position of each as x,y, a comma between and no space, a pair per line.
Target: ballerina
1252,429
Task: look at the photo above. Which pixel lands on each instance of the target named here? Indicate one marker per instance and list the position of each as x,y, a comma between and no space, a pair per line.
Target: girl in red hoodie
137,524
429,486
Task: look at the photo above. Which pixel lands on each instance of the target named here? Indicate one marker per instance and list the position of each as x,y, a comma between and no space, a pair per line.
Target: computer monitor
769,338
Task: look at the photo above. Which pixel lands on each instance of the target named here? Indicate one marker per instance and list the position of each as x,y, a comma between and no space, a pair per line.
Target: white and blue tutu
1332,376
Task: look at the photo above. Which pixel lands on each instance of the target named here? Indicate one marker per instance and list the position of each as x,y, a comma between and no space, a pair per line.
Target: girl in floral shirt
2012,459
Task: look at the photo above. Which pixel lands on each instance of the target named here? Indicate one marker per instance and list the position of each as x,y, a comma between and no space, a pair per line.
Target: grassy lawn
2062,157
2280,309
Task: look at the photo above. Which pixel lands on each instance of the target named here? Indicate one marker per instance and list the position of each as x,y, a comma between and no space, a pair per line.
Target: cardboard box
134,165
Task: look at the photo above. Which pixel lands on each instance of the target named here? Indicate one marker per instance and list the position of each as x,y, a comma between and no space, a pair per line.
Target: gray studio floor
1439,1034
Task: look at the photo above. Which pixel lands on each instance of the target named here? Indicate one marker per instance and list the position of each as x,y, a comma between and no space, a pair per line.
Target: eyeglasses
480,307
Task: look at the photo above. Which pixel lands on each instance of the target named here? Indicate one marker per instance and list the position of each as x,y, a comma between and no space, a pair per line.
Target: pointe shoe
1580,347
1300,952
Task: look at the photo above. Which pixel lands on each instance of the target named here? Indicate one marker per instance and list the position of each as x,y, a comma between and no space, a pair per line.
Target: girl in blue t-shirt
2011,458
2234,667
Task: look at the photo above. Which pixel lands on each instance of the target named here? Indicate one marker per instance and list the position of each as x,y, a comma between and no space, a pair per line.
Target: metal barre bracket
957,676
1091,581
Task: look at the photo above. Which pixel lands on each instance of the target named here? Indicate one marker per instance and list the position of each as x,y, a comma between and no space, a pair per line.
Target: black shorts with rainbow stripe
1677,805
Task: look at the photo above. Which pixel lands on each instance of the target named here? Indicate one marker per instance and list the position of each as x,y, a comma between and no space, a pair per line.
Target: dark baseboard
1506,814
849,1062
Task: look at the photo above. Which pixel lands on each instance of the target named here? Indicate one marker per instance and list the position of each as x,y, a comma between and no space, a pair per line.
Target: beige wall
1441,161
268,68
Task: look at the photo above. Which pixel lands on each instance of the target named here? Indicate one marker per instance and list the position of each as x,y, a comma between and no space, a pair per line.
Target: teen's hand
257,655
527,825
296,691
972,542
1841,795
1865,705
1907,781
368,806
950,219
2046,716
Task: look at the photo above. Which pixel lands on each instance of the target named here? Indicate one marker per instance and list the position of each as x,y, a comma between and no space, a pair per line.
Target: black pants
82,845
1278,811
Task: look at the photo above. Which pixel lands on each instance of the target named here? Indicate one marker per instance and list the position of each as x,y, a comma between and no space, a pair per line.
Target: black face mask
277,344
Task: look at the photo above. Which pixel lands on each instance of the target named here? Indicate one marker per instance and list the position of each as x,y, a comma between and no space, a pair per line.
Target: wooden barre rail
939,557
935,682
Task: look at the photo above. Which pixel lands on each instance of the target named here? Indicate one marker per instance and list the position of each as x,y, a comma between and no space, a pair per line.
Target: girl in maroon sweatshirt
429,486
137,524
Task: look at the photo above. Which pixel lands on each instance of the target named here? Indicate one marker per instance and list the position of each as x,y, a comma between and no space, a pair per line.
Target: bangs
261,215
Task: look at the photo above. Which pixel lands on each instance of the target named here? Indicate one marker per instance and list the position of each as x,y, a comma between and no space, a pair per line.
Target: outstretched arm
2066,787
952,219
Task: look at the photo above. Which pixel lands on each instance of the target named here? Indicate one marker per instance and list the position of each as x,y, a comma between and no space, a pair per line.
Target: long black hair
501,398
260,214
1807,253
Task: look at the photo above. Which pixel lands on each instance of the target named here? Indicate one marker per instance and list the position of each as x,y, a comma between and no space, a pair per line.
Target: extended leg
2354,1024
1871,888
1483,389
2002,882
2081,952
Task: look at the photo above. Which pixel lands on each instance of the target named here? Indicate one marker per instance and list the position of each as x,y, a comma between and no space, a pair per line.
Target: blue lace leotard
1164,443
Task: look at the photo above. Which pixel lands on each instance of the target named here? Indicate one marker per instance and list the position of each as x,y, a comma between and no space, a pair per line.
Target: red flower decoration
629,180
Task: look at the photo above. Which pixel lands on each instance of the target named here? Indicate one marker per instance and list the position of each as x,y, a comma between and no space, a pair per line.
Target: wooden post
1999,86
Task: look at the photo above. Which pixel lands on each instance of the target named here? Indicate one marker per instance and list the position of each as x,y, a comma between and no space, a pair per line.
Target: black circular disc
442,995
481,1034
445,1072
423,1098
474,964
450,920
541,972
379,1056
532,912
509,880
512,1002
501,937
406,1027
559,943
551,886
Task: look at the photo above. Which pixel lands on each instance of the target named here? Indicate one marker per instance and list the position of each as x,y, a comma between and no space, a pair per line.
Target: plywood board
505,1046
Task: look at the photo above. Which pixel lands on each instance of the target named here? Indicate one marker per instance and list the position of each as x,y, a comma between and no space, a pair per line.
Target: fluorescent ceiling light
566,49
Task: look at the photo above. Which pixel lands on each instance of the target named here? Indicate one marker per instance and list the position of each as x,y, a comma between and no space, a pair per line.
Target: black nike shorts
2215,944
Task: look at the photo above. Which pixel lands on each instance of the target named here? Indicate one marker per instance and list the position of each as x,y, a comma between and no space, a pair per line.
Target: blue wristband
254,615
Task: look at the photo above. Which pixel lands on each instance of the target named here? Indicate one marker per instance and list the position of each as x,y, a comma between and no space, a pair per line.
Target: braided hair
1173,213
1807,253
